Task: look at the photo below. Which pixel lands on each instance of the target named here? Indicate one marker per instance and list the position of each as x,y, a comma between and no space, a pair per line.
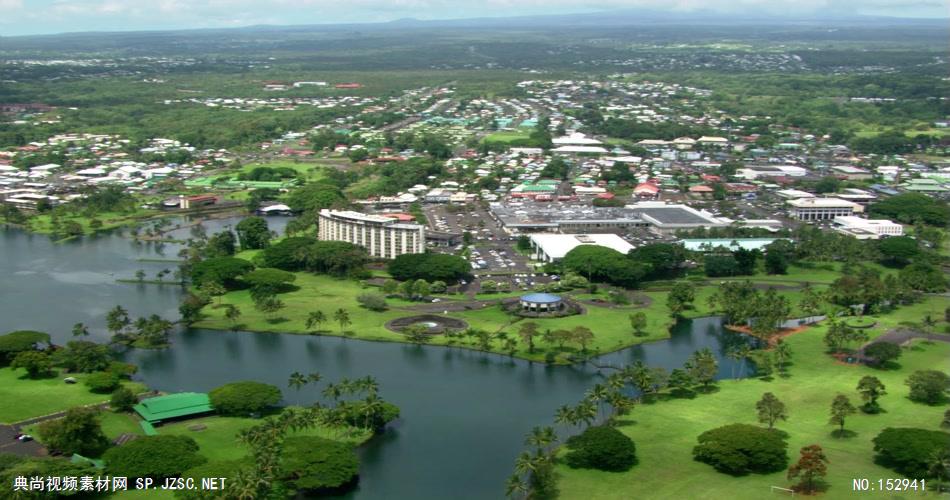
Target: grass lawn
110,220
507,136
665,432
611,325
311,171
26,398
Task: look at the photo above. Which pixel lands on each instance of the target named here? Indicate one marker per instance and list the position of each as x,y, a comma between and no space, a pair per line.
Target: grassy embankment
27,398
611,325
665,432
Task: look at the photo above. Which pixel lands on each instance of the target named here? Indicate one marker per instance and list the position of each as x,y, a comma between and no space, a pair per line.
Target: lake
464,413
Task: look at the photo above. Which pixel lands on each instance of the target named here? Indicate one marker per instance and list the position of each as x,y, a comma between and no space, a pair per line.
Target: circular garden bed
434,325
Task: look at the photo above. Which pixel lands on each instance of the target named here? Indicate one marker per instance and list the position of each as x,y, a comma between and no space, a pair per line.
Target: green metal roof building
171,406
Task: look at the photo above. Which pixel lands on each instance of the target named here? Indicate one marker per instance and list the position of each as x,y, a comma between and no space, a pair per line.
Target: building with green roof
171,406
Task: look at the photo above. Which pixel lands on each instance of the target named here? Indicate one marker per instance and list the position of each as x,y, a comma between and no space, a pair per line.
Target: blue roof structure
541,298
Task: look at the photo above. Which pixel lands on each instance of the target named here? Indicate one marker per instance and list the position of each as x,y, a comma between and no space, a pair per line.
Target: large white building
867,229
382,237
812,209
553,247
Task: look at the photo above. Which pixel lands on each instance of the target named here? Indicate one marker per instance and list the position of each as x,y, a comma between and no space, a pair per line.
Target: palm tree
315,318
368,384
314,377
297,381
515,487
562,416
372,405
616,381
332,391
734,355
586,411
526,464
540,438
784,353
342,317
621,404
80,330
598,394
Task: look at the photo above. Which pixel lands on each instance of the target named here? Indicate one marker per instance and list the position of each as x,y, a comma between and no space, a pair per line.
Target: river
464,414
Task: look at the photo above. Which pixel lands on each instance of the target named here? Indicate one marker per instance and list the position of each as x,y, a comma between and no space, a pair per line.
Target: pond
464,413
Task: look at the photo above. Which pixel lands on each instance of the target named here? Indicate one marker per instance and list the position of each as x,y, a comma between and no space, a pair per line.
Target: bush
270,280
242,398
36,363
313,465
372,301
102,382
741,448
882,352
928,386
156,457
908,450
78,431
429,267
123,399
601,448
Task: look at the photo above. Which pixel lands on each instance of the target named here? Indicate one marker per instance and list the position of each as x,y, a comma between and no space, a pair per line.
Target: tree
232,314
243,398
102,382
583,336
221,244
923,277
83,356
809,469
16,342
123,399
883,352
871,388
898,251
80,330
78,431
372,301
213,289
429,267
702,367
296,381
268,304
140,275
311,465
315,319
680,298
666,260
269,280
638,321
680,381
911,207
223,270
342,317
776,262
783,353
841,408
908,450
421,289
528,331
771,410
604,264
157,457
928,386
117,319
390,286
741,448
602,448
36,363
314,196
811,301
253,233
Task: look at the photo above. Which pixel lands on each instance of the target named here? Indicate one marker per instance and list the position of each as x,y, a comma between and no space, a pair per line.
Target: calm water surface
464,414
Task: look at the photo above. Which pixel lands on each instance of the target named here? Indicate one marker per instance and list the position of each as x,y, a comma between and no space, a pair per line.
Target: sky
28,17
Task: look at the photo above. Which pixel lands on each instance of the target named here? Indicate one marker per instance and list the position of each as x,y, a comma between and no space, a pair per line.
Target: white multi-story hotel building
382,237
822,208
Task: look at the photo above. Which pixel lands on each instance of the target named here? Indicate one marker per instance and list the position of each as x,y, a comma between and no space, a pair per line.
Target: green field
27,398
665,432
506,136
611,325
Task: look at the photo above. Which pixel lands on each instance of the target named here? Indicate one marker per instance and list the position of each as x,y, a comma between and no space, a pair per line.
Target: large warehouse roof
556,246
